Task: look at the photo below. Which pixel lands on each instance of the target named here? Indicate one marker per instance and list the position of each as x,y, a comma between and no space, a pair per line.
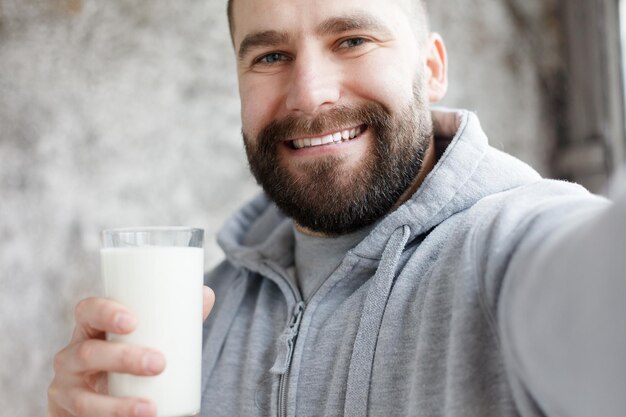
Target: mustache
335,119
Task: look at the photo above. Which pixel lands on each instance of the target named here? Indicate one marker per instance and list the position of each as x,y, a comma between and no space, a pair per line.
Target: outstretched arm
563,315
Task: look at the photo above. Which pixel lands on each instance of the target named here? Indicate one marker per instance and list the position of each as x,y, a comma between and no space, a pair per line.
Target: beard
328,195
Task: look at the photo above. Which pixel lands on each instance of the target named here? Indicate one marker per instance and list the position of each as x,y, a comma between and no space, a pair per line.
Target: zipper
292,333
282,366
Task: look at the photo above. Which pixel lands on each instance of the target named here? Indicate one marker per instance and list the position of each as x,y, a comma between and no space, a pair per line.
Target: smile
337,137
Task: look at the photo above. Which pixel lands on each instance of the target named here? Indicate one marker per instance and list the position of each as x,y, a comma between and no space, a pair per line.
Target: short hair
418,9
231,23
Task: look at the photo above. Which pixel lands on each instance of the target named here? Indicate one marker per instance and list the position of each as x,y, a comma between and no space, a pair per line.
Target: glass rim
152,236
147,229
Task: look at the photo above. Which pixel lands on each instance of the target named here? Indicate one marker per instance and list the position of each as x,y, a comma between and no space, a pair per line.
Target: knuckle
53,393
99,309
81,307
58,362
85,353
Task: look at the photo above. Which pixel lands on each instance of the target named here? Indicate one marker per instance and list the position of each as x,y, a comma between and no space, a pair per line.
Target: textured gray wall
125,112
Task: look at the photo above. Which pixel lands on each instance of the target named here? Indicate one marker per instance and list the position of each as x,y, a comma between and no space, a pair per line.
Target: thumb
209,300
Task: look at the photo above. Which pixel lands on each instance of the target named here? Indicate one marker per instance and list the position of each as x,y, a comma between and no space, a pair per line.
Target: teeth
330,138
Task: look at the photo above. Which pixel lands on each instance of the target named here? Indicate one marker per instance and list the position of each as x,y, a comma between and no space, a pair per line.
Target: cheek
259,105
388,84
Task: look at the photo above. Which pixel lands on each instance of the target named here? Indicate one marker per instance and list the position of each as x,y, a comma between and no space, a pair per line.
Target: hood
468,171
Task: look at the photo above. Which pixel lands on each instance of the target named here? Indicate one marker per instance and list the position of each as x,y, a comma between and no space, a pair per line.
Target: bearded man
396,264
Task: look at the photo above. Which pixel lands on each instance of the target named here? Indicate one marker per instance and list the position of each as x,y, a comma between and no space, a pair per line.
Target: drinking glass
157,273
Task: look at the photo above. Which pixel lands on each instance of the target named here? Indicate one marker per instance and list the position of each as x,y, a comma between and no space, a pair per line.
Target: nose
315,84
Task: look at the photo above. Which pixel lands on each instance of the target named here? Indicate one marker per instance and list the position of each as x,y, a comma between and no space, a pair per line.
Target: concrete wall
125,112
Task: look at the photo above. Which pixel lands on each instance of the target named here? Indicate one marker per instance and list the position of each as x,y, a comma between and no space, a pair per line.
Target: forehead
303,16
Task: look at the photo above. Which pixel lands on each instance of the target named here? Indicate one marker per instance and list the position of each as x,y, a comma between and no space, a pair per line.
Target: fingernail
153,363
123,321
144,410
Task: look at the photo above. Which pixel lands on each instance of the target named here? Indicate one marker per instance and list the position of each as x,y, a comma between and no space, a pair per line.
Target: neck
430,159
309,232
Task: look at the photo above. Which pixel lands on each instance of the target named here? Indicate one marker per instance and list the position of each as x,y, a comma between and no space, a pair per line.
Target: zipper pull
296,318
287,340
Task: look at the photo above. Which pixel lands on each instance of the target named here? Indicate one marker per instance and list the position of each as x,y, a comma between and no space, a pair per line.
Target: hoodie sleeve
562,311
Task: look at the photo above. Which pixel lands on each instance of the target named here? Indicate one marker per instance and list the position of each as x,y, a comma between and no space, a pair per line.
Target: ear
436,68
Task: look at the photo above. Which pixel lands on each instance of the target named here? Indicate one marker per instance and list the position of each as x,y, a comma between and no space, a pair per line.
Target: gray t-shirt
316,258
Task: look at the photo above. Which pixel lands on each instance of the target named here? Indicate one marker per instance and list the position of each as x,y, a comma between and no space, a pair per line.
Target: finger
95,355
209,301
94,316
81,402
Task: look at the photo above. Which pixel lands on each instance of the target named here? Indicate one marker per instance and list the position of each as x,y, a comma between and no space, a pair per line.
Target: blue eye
353,42
271,58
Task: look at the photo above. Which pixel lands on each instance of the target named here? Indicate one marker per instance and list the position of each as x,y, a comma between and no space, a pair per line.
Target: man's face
335,119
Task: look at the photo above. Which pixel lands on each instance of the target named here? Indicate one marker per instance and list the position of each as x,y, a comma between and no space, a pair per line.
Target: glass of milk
158,274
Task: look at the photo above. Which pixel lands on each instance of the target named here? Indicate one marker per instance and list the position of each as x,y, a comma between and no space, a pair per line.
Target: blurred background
125,112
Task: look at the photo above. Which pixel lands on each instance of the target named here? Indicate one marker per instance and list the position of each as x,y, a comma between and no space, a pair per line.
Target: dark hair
231,23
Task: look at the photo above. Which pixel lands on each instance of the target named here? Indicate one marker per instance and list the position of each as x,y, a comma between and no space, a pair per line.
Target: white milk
163,286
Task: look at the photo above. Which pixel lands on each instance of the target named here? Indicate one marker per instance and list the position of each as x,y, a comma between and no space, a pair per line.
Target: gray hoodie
416,319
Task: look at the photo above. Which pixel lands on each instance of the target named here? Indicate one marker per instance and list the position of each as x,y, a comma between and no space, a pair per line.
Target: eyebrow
348,23
261,39
331,26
